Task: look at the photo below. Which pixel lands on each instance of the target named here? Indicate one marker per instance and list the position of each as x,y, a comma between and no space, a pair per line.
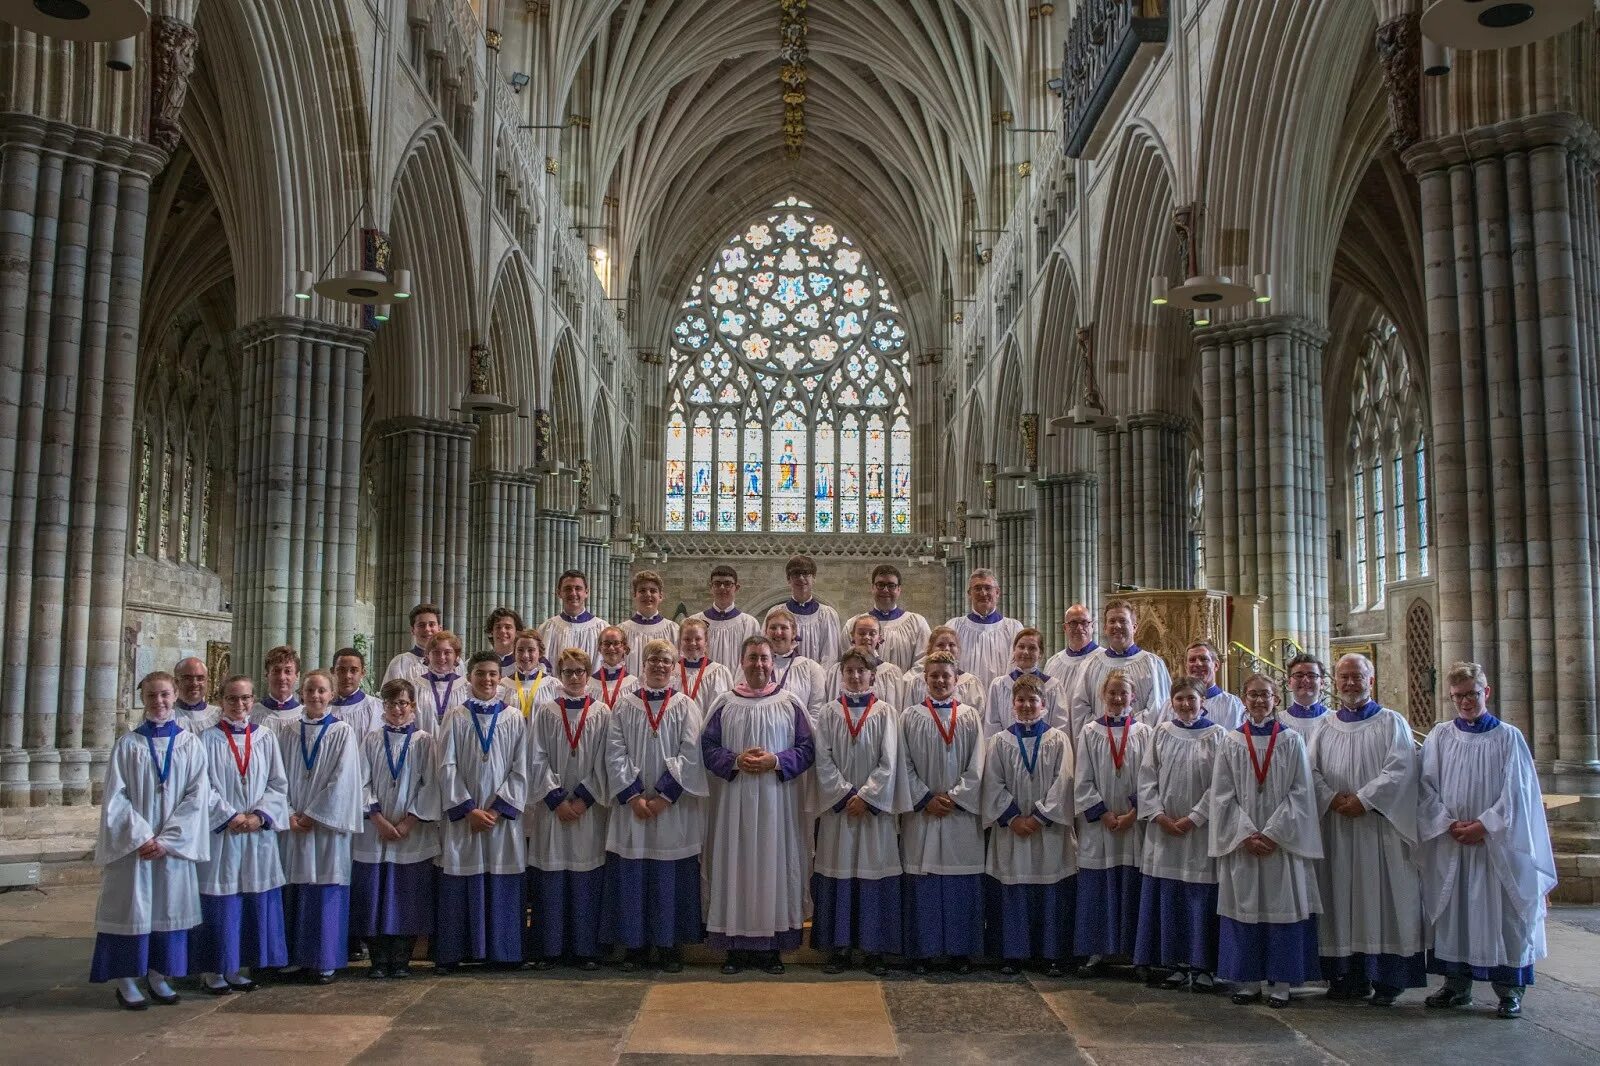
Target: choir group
932,793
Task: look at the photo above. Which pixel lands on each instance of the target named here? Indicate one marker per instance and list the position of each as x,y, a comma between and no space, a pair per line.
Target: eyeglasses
573,671
398,703
656,660
1080,623
1305,675
613,644
1467,697
886,586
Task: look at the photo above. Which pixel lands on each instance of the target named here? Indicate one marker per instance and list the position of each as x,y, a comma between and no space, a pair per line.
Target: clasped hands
1470,834
1176,827
646,809
756,761
1349,805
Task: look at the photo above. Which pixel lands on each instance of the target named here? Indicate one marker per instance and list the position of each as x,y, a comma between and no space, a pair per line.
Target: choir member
440,688
984,631
654,837
1364,766
1263,833
1032,865
153,834
191,710
727,627
816,623
394,862
647,622
1485,854
1110,838
700,677
411,664
502,627
529,683
1305,713
887,678
323,766
481,758
757,741
861,788
794,671
941,838
969,689
904,633
1220,706
1147,670
1027,648
574,626
1178,876
241,883
360,710
567,819
1066,665
612,678
282,702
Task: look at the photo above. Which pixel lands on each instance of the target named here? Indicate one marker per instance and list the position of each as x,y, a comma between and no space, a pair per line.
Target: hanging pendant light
1487,25
77,20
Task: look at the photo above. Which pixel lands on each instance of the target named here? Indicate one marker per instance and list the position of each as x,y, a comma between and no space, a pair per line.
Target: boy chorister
647,623
481,756
394,860
574,626
282,702
567,819
727,627
323,768
358,709
941,838
241,884
441,688
816,623
153,833
654,837
1027,800
861,787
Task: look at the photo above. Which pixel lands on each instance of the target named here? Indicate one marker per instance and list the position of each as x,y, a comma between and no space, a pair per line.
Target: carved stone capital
172,47
1399,43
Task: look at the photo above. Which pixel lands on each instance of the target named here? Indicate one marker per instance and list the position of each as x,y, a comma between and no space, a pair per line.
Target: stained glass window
1379,557
1358,497
1421,456
1399,519
789,387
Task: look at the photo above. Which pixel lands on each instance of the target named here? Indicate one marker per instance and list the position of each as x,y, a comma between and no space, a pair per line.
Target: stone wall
172,611
1384,629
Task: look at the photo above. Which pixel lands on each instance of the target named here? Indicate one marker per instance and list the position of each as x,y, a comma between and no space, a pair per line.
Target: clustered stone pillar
423,485
1266,508
1143,503
557,538
502,562
299,488
1016,551
1511,244
73,210
594,559
1069,572
622,588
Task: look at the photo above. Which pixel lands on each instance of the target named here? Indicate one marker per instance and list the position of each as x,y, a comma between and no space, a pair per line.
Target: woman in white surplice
756,742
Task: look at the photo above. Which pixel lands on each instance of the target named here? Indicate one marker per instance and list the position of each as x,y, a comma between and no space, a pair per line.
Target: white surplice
328,791
806,678
1485,903
398,779
1066,666
986,643
409,665
968,689
816,633
642,633
638,753
1101,782
1306,727
866,765
1152,683
905,635
608,687
1046,792
703,683
363,713
1366,878
1175,780
1221,707
887,684
523,694
1281,887
997,712
583,632
140,896
725,636
196,719
470,778
567,749
437,696
951,845
244,862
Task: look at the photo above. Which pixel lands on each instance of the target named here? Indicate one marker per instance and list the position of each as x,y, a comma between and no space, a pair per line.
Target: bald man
190,710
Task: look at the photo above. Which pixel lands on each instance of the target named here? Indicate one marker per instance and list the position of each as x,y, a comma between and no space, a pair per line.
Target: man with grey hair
191,710
1364,767
1066,665
1485,853
985,632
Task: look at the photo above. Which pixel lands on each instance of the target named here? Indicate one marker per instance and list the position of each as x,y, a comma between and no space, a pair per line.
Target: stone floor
50,1014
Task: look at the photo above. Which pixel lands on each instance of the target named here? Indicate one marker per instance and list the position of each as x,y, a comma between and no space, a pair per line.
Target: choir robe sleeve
1086,789
916,788
885,790
1322,792
1149,781
123,830
1519,838
274,803
539,776
220,809
185,832
425,806
335,802
1200,813
1230,823
999,806
1057,806
1393,793
511,792
623,781
683,762
455,800
595,777
718,760
968,792
1294,826
802,754
832,786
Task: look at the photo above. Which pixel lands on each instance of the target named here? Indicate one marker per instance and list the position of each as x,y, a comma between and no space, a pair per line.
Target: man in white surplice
1152,682
1485,851
1364,765
985,633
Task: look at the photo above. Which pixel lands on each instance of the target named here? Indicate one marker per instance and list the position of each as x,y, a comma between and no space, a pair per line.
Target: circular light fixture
77,20
1495,24
1015,473
359,287
484,403
1207,291
1081,416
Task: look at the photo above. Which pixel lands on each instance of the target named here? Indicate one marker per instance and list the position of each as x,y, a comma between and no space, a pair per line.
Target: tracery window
789,408
1386,470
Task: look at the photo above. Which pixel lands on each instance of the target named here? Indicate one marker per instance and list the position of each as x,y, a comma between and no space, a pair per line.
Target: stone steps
59,839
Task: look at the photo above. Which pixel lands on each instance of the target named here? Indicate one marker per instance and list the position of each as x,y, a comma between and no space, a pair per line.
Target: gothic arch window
1386,470
789,409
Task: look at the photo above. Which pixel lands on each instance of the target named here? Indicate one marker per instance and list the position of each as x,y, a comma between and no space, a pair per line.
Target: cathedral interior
1281,317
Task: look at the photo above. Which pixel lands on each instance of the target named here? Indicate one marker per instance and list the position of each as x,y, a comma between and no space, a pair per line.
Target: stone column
423,484
622,588
594,559
503,561
1144,537
1068,560
1018,552
955,588
1512,274
73,210
557,538
1266,502
299,488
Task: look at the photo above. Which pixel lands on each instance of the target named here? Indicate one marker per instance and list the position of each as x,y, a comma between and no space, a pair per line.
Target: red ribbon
693,691
1261,766
244,763
583,719
1118,754
855,727
655,717
611,697
949,735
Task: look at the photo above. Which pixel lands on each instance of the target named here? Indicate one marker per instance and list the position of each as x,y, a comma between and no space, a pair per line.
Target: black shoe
443,969
401,972
1173,981
543,964
357,952
1053,968
671,960
131,1004
1244,999
873,964
1446,998
247,985
961,964
1141,973
1347,993
1010,968
1510,1007
319,978
377,973
1277,1002
1383,999
1091,969
165,1001
773,964
837,963
630,963
1203,984
919,968
223,989
588,965
733,963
